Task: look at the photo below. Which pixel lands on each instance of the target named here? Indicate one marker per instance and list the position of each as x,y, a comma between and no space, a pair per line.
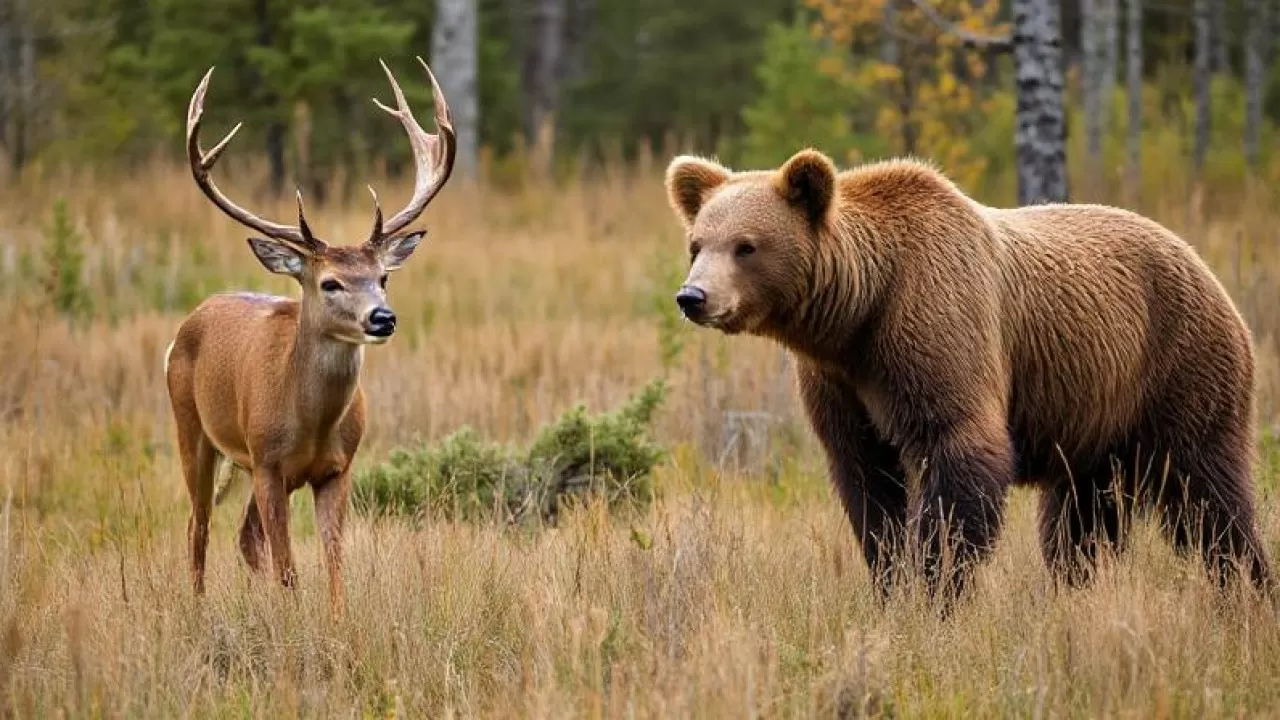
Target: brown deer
271,385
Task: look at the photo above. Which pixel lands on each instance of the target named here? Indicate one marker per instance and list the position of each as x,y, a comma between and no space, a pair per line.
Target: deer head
344,286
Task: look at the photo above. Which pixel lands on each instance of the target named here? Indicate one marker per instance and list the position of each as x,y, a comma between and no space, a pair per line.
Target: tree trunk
1221,58
6,71
579,21
275,127
1257,61
541,74
1091,81
888,36
26,83
1133,81
1109,22
454,62
1202,20
1098,38
1040,136
891,54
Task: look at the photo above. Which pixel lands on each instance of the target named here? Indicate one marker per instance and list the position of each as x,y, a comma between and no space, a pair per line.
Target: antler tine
302,220
376,235
201,162
444,117
433,154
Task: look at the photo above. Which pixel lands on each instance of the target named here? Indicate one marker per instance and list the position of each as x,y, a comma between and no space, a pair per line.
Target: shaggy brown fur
960,349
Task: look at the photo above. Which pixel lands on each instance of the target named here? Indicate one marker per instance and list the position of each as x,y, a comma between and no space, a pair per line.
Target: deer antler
433,157
297,236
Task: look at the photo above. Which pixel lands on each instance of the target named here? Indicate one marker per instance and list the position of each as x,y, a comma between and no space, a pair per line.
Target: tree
22,81
800,104
6,69
1220,46
925,69
1133,81
1040,140
1098,33
275,126
541,72
454,61
1257,59
1040,137
1202,76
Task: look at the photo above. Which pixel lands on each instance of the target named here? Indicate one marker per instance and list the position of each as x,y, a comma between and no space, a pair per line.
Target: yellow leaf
885,72
946,84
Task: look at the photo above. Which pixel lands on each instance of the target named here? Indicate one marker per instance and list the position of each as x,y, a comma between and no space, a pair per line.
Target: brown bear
960,349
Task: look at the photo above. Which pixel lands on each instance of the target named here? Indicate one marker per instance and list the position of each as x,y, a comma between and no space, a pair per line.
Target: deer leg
331,516
199,460
272,499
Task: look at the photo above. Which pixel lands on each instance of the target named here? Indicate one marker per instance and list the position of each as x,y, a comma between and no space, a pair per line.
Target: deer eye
743,249
331,286
383,281
694,249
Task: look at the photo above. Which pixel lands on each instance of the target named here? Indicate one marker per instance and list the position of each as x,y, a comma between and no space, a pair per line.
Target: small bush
64,260
464,477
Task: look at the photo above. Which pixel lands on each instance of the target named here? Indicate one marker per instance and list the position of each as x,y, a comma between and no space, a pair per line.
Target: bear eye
331,286
743,249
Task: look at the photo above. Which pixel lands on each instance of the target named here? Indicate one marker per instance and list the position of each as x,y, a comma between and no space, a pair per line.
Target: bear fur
957,350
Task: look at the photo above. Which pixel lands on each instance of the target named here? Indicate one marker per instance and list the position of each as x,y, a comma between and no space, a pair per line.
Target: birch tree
1098,35
1256,67
541,74
1219,46
454,52
1133,83
1202,20
1040,142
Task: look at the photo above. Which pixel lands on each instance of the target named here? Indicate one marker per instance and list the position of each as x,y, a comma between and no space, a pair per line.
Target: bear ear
689,181
808,181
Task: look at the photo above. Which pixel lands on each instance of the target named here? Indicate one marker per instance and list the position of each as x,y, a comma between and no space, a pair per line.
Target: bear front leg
957,515
866,471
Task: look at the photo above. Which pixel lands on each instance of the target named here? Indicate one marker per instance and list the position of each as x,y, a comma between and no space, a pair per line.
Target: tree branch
969,39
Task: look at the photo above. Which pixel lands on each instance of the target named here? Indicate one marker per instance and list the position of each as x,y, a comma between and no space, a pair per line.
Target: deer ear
808,182
689,181
396,250
277,257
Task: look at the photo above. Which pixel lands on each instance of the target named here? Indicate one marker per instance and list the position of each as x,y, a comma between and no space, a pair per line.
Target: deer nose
381,322
692,300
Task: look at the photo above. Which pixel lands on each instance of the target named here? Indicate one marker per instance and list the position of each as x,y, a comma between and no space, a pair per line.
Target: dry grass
736,595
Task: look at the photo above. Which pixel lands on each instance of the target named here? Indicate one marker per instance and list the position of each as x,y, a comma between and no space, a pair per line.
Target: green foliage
465,477
664,66
799,105
64,267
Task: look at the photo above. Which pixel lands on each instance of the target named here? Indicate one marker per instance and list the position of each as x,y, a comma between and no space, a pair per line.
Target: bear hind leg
1204,504
1080,518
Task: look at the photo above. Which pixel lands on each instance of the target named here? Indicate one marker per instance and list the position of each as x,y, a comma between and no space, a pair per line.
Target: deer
270,385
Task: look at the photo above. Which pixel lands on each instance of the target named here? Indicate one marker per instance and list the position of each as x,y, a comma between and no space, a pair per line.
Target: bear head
752,238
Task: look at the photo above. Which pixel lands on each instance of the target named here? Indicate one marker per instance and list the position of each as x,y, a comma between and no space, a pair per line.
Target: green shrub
464,477
800,104
64,262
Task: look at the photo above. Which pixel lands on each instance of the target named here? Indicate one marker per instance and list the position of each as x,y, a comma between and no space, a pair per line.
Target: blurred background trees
982,87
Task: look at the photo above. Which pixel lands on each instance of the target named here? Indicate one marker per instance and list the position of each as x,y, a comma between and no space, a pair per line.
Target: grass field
739,593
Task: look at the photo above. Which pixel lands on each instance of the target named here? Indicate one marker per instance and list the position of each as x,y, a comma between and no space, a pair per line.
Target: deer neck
324,374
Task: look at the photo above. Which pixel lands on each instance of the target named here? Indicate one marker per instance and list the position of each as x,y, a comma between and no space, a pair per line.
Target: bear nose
691,300
382,322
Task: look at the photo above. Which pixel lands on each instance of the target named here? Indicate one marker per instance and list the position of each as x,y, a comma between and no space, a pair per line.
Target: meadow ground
739,593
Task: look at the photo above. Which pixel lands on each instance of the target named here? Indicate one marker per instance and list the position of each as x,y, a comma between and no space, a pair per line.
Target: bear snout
692,301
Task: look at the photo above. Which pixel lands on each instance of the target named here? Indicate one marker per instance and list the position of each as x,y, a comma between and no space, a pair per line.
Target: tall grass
739,593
